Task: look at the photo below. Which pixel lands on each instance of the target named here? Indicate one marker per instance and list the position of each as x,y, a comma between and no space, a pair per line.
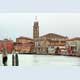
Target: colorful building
49,42
24,44
74,43
7,44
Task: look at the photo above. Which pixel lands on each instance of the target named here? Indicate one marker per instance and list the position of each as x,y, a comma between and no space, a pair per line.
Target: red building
1,45
8,44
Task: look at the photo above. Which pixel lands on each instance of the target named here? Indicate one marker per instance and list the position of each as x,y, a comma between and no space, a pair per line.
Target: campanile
36,29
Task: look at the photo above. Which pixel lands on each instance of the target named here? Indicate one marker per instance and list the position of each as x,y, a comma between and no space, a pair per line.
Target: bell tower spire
36,20
36,28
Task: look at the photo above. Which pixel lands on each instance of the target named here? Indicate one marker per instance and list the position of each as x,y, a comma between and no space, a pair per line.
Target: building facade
49,42
24,45
7,44
74,43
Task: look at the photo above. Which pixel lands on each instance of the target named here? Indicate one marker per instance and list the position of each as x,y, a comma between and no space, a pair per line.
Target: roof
75,38
25,45
22,37
53,35
1,40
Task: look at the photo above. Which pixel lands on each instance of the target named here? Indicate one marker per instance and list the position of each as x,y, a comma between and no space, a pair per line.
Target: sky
15,24
54,16
39,5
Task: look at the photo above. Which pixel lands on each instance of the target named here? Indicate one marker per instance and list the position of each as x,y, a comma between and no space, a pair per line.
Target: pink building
8,44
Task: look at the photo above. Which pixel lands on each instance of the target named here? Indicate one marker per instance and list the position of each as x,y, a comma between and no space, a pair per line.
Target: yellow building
24,44
49,42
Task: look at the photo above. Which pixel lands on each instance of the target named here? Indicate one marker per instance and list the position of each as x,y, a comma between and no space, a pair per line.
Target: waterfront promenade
40,60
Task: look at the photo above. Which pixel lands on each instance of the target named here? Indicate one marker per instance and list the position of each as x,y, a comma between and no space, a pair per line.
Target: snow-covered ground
40,60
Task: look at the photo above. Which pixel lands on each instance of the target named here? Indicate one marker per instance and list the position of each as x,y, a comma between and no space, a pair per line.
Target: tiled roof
75,38
22,37
1,41
52,35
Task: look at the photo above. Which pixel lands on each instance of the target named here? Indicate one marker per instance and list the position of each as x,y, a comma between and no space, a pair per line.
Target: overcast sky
54,16
13,25
39,5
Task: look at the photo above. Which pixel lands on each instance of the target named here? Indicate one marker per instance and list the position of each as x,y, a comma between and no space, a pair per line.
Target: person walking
4,56
57,51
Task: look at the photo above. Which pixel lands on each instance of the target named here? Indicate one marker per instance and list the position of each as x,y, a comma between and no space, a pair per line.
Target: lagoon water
43,60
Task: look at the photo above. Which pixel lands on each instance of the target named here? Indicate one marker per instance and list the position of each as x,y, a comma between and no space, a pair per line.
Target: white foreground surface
43,60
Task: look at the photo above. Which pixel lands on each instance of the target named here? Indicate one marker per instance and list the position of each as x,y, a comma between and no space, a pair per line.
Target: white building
75,44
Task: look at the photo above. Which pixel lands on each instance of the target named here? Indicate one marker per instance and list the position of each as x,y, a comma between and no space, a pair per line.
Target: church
44,44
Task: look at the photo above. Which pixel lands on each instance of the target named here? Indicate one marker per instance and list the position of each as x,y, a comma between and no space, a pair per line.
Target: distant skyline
13,25
54,16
